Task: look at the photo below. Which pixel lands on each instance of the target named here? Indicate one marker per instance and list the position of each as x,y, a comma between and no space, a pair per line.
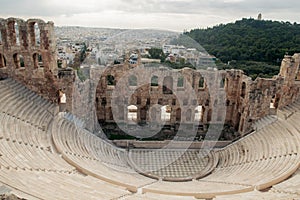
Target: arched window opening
22,63
174,101
199,114
160,101
1,41
242,125
120,112
188,115
17,31
243,93
132,80
237,126
222,83
178,114
226,83
201,83
110,80
153,114
148,102
272,106
138,100
110,114
272,103
132,113
62,101
37,60
37,34
227,103
18,60
40,60
180,81
166,113
103,101
209,115
2,61
168,85
154,81
276,101
62,97
143,114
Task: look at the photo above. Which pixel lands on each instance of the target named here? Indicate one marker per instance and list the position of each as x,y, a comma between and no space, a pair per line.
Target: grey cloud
218,11
200,6
40,8
47,8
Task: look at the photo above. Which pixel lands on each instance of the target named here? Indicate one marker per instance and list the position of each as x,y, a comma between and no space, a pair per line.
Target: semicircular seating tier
45,155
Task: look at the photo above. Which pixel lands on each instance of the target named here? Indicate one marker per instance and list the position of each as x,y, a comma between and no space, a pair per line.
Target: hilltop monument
259,17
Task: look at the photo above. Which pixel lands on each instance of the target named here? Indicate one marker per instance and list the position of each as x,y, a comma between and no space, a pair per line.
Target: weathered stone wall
66,79
262,93
32,63
231,92
290,87
219,95
28,55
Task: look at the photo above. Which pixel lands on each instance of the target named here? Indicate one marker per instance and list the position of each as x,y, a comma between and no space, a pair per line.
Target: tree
258,46
249,39
157,53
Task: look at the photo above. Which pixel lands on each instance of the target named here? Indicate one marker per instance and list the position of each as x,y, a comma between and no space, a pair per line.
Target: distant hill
250,39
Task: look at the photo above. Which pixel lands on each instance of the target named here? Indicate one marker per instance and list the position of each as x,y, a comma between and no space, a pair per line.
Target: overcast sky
175,15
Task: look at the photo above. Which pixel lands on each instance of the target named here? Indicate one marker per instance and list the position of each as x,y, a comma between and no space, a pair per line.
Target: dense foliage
255,46
252,68
157,53
249,39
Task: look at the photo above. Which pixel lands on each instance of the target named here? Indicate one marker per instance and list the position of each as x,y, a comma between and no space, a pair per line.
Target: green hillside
264,43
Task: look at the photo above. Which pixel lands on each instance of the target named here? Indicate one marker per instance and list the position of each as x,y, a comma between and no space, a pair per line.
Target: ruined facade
187,92
28,55
137,93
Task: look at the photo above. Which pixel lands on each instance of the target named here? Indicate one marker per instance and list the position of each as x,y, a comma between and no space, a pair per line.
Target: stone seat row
279,138
72,118
259,160
21,147
24,132
262,168
290,186
79,152
12,85
289,110
131,180
254,195
55,185
25,92
230,180
262,158
29,164
286,190
264,122
257,173
26,112
17,101
88,145
256,148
